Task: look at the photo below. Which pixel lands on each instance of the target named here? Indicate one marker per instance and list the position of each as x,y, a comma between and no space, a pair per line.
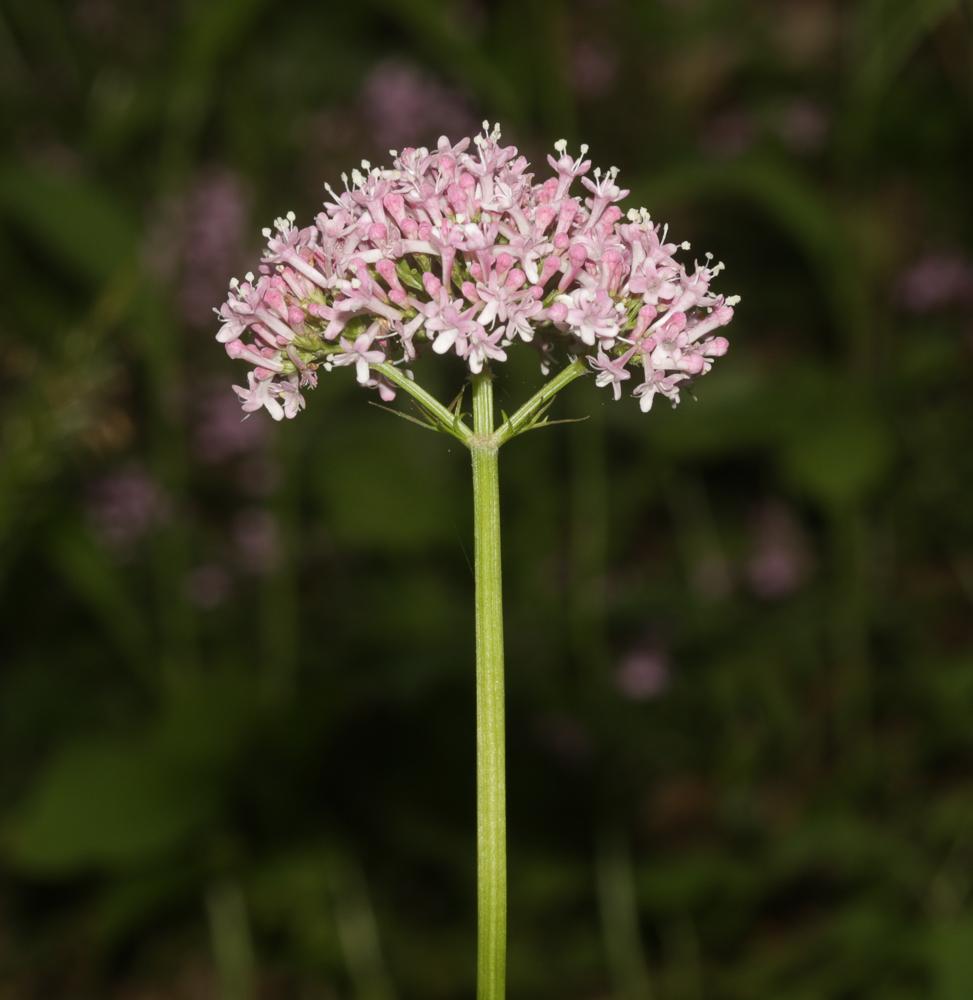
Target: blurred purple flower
217,211
256,536
400,103
123,506
730,133
643,674
325,132
97,17
259,475
220,432
196,238
709,576
135,27
779,561
594,68
208,586
936,281
563,737
802,125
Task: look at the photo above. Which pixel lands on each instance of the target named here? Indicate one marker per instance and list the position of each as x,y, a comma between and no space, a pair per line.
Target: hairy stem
491,822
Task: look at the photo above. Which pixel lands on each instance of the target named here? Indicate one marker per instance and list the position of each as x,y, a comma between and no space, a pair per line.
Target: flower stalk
440,418
484,442
491,820
531,414
463,250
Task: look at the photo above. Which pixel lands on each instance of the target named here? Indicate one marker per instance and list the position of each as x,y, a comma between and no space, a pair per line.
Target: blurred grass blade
358,931
103,589
890,33
82,226
894,33
229,929
618,906
105,803
212,31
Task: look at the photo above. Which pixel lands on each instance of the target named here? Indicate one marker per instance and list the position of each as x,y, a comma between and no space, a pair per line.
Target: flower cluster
460,249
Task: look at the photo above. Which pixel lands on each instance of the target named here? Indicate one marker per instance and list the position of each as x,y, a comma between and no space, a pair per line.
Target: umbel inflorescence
462,250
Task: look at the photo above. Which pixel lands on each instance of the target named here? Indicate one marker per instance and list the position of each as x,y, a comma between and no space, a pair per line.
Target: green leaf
425,424
105,802
950,949
889,33
840,457
71,218
395,496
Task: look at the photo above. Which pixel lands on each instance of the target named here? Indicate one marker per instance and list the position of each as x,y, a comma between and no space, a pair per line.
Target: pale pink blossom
360,355
280,399
208,586
484,346
592,314
460,249
256,535
658,383
611,371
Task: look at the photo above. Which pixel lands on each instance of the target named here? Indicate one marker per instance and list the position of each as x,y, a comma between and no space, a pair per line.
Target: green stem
446,419
515,424
491,822
484,443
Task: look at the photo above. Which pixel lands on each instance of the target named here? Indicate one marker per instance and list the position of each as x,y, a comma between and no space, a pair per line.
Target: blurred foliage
236,689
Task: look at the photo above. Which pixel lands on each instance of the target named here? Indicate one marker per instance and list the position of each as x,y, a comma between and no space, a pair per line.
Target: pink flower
611,371
264,393
658,382
483,345
592,315
360,355
458,249
452,328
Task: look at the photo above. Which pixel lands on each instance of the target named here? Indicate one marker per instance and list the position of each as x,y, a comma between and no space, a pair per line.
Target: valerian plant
461,250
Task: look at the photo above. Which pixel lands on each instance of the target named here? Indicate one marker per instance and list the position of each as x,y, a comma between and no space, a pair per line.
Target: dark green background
236,747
